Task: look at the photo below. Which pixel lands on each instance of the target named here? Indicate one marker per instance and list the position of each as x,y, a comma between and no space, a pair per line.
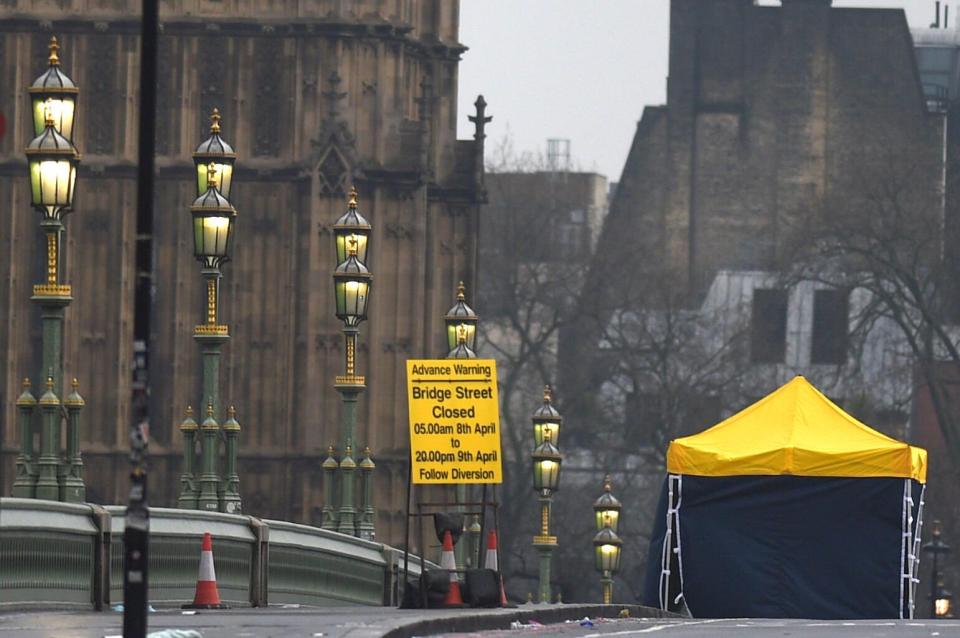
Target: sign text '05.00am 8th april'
454,421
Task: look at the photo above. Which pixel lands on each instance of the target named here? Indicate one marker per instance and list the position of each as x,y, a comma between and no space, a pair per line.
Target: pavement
526,621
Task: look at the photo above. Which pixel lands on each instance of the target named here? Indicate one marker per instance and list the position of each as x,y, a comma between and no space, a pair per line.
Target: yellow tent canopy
795,430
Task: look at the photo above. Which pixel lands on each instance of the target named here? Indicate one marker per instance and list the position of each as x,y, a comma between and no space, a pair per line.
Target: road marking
679,623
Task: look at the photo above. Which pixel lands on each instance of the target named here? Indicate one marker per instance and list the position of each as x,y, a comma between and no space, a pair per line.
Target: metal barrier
71,555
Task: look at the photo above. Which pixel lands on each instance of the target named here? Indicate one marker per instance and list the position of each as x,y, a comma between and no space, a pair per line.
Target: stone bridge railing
63,554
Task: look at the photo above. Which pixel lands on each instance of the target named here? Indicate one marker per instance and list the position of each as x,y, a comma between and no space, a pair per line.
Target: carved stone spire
480,121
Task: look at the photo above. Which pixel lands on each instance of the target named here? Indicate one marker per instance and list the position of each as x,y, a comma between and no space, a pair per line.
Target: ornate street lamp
52,164
607,508
607,546
606,543
546,420
214,150
351,283
546,480
213,225
351,229
54,93
935,547
461,321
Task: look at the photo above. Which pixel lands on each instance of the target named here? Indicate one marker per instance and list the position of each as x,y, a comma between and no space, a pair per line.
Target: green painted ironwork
73,489
48,483
345,519
63,554
313,566
231,503
189,493
48,567
209,499
175,562
46,553
24,485
365,528
329,516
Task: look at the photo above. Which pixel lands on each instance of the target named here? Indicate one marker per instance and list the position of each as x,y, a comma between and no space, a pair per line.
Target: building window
830,312
768,326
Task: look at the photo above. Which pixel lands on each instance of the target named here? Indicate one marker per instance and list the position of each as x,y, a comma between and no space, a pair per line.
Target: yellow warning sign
454,421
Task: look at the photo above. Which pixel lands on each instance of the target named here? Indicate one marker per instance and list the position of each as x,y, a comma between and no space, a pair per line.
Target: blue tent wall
786,547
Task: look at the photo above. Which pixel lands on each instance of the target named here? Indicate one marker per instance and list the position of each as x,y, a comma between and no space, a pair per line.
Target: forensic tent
790,508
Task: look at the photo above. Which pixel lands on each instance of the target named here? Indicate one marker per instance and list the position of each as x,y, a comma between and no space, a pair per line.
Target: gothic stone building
315,96
772,111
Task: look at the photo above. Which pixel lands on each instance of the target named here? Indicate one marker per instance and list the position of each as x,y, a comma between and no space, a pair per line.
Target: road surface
373,622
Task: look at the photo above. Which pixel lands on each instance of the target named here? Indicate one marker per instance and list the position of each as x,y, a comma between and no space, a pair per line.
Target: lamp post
546,480
607,545
52,160
213,219
461,328
936,547
461,323
351,282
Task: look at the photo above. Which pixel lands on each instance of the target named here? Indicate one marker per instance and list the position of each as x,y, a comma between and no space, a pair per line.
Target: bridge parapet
56,554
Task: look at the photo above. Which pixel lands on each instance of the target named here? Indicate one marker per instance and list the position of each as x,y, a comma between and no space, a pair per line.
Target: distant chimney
936,23
946,15
558,155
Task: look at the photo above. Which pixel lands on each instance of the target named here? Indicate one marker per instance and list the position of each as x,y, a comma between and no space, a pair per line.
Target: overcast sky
580,70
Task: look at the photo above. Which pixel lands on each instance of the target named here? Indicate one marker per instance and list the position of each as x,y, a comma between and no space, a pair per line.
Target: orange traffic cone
207,596
448,562
490,562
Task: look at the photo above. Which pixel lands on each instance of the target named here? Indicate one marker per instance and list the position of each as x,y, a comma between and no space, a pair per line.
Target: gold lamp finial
210,410
54,58
547,393
330,450
231,412
50,383
211,175
352,203
189,410
74,384
215,121
26,383
607,484
48,113
461,292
